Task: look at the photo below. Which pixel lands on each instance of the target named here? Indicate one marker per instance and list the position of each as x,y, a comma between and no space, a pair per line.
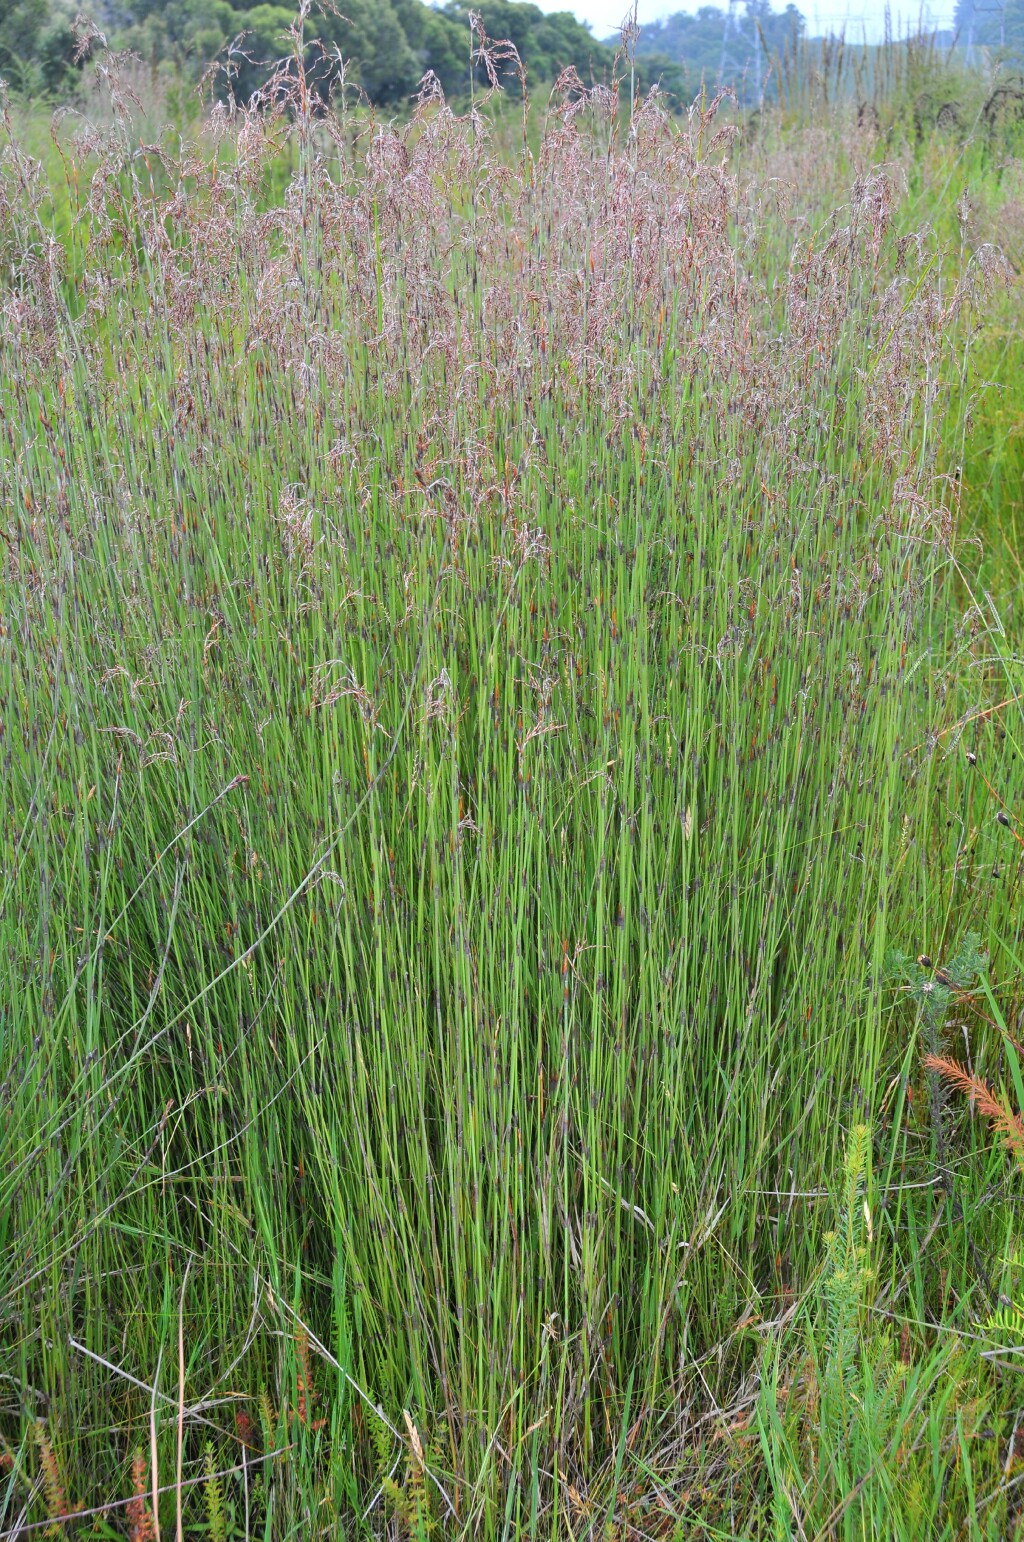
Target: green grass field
510,730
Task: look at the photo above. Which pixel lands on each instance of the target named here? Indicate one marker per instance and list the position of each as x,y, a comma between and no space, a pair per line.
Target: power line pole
728,26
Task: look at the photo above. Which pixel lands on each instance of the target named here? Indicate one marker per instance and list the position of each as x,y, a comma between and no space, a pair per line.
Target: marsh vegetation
508,655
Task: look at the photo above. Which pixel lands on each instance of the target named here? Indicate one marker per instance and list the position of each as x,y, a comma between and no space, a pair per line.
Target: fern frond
140,1516
1008,1125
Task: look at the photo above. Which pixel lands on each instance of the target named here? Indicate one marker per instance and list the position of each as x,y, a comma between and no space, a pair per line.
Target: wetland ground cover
508,712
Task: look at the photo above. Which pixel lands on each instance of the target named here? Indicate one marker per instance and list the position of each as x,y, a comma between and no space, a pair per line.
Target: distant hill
998,28
719,48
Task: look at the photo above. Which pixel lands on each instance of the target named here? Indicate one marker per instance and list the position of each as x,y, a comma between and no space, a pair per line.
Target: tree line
389,45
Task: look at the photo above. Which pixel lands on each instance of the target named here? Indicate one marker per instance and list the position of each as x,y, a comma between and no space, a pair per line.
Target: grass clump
482,636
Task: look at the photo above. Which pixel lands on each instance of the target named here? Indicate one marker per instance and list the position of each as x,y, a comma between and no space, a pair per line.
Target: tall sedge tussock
469,623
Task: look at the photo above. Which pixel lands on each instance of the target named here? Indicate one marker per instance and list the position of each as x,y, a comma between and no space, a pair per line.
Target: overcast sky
858,16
